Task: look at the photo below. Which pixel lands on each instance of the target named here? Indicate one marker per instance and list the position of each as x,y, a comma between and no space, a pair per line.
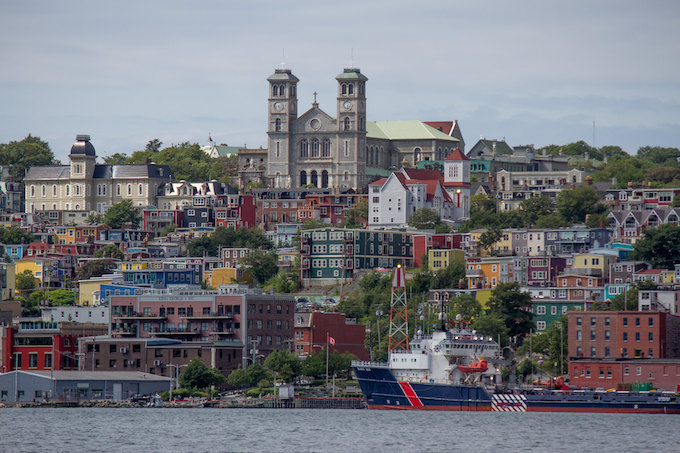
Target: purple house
543,270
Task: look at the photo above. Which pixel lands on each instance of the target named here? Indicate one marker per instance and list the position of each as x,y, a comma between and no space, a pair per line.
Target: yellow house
9,289
65,235
134,265
488,272
221,276
439,259
89,290
504,245
38,266
594,261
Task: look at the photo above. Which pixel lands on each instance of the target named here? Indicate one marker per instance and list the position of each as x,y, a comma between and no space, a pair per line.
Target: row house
440,259
656,276
667,301
488,272
607,348
580,287
184,194
35,344
329,255
312,330
154,219
546,309
235,211
640,199
281,205
233,256
624,272
424,242
329,208
283,234
629,225
542,271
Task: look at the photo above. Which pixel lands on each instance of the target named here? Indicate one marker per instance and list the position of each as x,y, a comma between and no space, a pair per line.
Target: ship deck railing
369,363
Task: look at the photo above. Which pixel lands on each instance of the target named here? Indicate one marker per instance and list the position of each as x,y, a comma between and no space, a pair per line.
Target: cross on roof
315,97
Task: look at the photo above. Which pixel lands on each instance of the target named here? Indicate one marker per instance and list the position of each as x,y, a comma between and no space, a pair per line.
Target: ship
455,368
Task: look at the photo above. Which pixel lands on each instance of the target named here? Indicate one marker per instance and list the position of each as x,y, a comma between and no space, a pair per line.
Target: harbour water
299,430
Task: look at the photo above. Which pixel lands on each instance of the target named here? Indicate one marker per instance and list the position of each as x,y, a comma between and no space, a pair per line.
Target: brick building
312,330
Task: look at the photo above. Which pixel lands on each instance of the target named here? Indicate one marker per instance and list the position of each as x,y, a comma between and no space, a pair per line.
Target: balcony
140,316
217,315
223,332
175,331
125,332
477,273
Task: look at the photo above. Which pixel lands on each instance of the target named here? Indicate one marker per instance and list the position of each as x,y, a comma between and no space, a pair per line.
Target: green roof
501,146
283,74
351,74
404,130
372,171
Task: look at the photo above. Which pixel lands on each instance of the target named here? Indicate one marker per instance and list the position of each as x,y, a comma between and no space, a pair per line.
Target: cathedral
346,151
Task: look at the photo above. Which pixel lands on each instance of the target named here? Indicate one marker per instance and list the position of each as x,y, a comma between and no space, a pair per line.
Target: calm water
294,430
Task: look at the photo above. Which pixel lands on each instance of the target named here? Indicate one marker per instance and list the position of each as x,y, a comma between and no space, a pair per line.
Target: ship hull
383,391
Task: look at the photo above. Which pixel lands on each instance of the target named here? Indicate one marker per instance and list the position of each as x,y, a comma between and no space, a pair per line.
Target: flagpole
327,347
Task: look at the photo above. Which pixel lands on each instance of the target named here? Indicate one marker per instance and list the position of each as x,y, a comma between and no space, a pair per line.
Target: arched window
324,179
304,148
326,148
276,90
350,88
278,179
117,189
141,189
43,191
346,176
33,191
282,90
344,88
129,190
315,147
417,154
361,88
68,190
278,150
347,124
315,179
303,178
54,190
277,125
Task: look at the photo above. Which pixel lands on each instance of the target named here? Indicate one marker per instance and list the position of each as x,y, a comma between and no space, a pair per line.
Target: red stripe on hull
410,394
431,408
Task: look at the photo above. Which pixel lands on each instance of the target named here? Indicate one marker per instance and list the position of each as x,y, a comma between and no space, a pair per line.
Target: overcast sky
537,72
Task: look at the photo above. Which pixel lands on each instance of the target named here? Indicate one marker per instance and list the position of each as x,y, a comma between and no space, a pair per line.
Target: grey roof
51,172
82,146
283,74
132,171
98,375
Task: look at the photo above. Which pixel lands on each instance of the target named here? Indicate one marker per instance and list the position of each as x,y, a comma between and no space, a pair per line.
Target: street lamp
175,379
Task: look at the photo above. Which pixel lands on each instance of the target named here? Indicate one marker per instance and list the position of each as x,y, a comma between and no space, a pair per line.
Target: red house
313,330
235,211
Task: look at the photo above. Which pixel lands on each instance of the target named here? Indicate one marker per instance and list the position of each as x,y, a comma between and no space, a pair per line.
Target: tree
284,282
121,214
116,159
198,375
109,251
575,204
357,215
449,277
62,297
659,154
262,265
465,305
488,238
22,155
659,246
286,364
493,325
424,219
314,364
13,235
239,378
167,229
482,202
25,282
94,218
153,145
95,268
513,307
201,246
534,208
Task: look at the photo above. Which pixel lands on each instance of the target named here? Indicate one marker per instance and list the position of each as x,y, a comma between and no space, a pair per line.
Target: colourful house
65,234
89,293
221,276
439,259
488,272
599,262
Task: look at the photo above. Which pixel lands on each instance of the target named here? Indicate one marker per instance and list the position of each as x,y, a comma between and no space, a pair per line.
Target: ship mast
398,313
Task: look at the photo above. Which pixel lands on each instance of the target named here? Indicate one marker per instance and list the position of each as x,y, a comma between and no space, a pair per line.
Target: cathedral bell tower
282,112
351,123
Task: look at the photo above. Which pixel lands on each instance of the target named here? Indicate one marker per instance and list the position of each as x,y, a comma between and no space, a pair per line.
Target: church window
54,190
33,191
276,90
118,189
350,88
141,189
292,90
304,148
346,151
451,171
326,148
361,88
314,179
278,179
346,176
129,190
344,88
367,154
43,190
347,124
315,147
416,155
303,178
68,190
282,90
455,171
277,125
103,189
77,190
278,151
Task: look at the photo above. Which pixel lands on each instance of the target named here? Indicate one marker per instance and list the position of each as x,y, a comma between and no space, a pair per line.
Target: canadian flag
331,340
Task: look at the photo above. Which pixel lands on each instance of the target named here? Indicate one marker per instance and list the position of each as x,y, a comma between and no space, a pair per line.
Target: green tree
62,297
198,375
424,219
286,364
534,208
659,246
284,283
121,214
465,305
22,155
25,282
263,265
488,238
186,161
450,277
659,154
95,268
109,251
491,324
202,246
167,229
239,378
13,235
314,364
513,306
94,218
116,159
575,204
256,374
357,215
153,145
482,202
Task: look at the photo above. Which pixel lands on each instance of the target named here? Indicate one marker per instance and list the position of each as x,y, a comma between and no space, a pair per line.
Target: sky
530,71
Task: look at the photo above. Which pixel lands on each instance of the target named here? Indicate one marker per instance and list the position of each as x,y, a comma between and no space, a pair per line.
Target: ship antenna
398,313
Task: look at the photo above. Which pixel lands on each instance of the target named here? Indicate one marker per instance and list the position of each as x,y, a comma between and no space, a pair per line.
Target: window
540,310
346,124
129,189
33,360
578,320
625,336
651,322
650,336
593,335
625,322
637,337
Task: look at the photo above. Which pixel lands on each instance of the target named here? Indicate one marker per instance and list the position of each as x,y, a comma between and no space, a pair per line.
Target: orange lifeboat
475,367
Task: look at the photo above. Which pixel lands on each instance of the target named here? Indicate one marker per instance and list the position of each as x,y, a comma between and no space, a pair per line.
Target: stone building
85,185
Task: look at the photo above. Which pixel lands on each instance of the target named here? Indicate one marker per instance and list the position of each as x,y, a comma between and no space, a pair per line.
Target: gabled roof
405,130
446,127
457,154
416,173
